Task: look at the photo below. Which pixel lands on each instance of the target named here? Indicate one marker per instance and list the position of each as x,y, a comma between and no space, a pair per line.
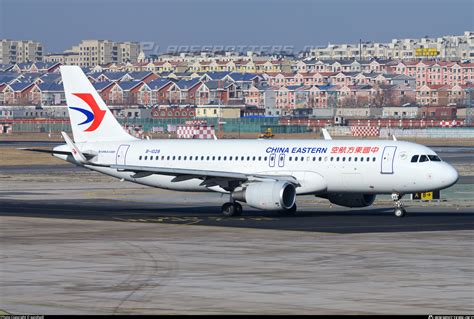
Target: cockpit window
434,158
414,159
423,158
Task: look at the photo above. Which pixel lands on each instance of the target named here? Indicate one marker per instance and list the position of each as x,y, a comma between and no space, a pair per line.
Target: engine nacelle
278,195
351,200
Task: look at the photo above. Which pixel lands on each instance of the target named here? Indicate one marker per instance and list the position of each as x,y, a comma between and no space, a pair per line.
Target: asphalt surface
332,220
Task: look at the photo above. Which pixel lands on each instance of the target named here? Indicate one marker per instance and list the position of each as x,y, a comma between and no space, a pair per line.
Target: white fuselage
343,166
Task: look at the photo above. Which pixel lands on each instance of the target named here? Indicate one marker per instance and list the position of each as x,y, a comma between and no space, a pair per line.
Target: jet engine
279,195
351,200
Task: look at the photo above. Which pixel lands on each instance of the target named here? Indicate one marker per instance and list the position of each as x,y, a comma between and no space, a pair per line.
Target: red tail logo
96,116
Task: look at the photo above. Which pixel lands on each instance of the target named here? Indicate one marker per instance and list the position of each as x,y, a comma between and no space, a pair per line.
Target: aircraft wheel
238,209
228,209
400,212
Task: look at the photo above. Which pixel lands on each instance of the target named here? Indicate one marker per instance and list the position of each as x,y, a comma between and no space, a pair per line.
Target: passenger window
207,158
373,159
296,158
146,157
241,158
179,158
140,157
290,158
162,157
423,158
248,158
434,158
168,157
157,157
368,159
213,158
225,158
337,159
355,159
174,157
302,158
361,159
185,157
259,158
332,158
349,159
265,158
343,158
414,159
218,158
320,158
230,158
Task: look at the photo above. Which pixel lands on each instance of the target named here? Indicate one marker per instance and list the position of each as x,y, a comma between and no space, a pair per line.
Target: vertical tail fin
91,120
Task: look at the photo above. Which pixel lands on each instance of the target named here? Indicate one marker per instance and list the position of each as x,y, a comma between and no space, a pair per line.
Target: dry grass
10,156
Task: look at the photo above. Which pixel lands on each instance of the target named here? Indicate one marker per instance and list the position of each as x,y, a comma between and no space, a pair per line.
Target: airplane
266,174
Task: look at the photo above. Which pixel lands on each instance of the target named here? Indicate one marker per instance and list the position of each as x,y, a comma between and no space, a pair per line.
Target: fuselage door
388,157
122,154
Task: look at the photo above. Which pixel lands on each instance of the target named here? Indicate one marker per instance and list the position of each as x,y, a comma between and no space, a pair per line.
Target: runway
314,219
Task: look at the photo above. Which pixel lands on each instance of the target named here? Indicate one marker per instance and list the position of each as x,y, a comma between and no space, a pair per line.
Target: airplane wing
210,178
326,134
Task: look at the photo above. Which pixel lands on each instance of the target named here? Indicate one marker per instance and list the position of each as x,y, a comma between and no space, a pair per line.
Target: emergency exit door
388,156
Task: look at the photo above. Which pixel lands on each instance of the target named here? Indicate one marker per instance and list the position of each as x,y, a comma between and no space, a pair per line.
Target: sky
162,24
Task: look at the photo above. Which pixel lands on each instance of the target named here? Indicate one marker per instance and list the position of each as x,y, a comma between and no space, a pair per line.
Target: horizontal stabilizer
52,152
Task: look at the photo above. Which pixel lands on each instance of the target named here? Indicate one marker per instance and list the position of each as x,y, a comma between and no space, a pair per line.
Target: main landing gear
230,209
399,210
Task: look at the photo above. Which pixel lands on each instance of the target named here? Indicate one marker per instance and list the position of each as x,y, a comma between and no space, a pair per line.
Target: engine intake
278,195
351,200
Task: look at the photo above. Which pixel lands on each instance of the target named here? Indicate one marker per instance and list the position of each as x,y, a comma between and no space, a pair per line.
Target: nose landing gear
399,210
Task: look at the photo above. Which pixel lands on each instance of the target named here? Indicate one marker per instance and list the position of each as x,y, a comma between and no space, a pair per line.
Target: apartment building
95,52
70,58
20,51
449,47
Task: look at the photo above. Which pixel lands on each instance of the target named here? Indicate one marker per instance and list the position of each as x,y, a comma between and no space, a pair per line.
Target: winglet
76,153
326,134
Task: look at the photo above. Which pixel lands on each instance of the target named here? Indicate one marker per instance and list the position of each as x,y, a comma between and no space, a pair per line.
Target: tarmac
77,242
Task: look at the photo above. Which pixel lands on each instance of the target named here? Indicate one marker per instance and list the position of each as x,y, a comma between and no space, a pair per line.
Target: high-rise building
94,52
19,51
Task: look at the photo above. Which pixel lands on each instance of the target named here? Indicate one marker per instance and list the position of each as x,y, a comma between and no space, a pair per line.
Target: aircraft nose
450,176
